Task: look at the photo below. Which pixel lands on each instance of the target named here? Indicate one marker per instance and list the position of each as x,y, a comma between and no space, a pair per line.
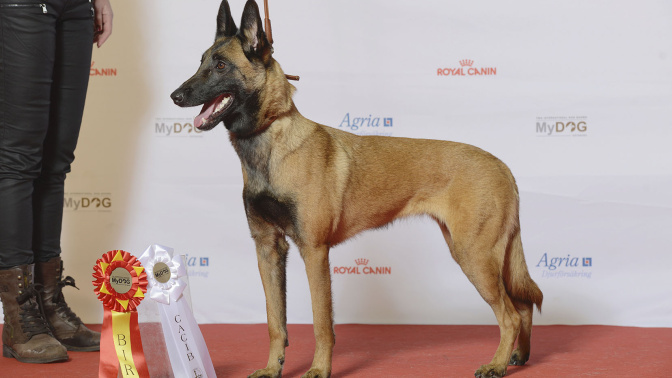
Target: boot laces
33,321
59,300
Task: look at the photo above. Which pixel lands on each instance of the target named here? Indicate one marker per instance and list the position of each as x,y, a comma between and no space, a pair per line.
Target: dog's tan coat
320,186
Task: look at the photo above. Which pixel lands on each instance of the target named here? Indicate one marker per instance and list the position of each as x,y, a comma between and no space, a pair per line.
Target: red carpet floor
416,351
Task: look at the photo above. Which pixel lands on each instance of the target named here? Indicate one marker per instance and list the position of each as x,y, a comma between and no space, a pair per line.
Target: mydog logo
565,267
120,281
562,126
467,68
95,71
87,202
362,267
369,125
198,266
176,127
159,274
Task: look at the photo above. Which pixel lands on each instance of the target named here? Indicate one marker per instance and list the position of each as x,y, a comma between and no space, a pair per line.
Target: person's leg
27,36
74,41
27,49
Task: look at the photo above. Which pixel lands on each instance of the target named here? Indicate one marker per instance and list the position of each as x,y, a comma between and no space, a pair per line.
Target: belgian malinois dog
313,183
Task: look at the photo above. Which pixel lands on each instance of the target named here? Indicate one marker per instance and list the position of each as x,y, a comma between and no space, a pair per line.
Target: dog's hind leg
522,353
491,288
319,280
272,250
481,266
524,292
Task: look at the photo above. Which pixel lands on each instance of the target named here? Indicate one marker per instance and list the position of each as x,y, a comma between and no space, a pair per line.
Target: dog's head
234,75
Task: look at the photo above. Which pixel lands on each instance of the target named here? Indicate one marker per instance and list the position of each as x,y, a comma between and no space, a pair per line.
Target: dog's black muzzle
179,97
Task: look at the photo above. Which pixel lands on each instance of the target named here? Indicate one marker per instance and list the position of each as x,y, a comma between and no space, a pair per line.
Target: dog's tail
517,278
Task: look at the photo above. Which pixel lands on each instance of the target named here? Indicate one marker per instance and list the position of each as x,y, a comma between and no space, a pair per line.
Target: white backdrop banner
575,96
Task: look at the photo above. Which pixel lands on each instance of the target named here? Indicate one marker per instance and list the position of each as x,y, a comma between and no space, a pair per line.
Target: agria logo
370,125
565,267
198,266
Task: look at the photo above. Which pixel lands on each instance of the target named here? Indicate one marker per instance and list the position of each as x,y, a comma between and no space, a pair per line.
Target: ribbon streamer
186,347
120,283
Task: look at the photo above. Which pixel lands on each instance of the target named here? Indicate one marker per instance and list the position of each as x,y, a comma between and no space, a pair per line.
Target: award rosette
121,283
167,274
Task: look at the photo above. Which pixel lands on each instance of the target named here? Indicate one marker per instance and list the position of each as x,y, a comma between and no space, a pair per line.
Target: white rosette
166,274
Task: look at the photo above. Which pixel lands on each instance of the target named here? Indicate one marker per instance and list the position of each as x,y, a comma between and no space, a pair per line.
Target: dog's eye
220,65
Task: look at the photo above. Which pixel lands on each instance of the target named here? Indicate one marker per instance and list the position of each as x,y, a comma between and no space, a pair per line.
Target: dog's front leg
272,250
319,280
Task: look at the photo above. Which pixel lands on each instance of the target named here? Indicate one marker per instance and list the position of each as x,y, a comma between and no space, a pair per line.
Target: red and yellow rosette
121,283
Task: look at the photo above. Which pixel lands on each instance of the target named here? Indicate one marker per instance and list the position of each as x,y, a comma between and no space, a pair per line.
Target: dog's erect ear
252,33
225,25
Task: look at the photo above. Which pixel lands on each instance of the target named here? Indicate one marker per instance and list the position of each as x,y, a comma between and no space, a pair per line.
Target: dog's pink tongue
208,109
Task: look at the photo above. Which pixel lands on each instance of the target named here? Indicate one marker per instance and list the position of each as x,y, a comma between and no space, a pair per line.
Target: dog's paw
266,373
518,358
490,371
316,373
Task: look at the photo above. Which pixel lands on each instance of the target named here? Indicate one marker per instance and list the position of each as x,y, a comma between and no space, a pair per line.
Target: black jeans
45,59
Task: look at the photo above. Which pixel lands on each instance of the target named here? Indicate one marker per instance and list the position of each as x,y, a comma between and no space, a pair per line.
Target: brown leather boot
65,325
26,335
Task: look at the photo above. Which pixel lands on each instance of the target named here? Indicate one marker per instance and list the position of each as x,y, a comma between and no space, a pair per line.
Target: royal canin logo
94,71
362,261
362,267
466,69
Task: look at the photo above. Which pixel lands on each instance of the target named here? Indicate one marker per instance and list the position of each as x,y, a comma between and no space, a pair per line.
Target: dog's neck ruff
258,131
265,125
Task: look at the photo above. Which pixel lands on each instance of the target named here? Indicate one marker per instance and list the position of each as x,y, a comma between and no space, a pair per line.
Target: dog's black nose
178,97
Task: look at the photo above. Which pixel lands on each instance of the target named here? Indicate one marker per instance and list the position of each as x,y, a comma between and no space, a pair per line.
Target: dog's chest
280,212
264,200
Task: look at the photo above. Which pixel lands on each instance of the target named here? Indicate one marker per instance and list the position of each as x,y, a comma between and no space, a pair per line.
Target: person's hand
103,21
